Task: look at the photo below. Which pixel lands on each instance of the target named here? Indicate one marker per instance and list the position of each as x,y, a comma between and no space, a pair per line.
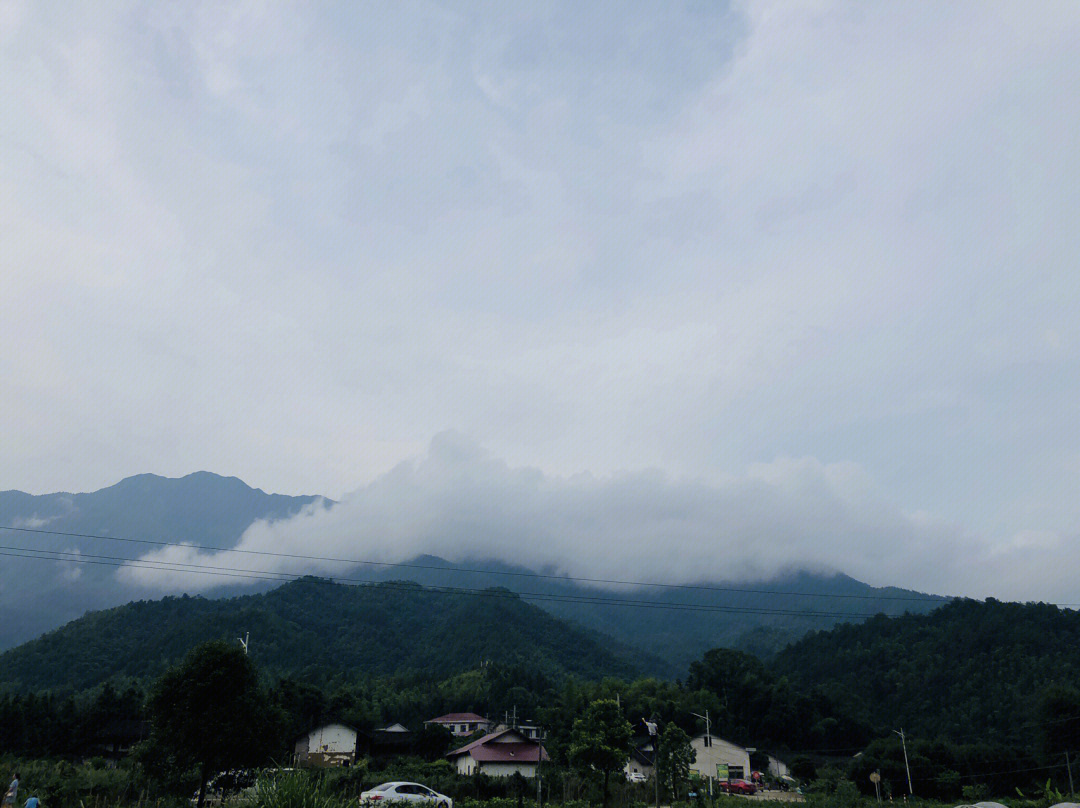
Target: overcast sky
824,251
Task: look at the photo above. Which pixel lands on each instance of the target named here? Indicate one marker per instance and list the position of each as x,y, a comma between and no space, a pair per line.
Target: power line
993,773
1014,733
1001,740
73,557
515,573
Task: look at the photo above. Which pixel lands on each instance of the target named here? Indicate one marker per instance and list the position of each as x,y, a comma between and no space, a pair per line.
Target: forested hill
315,630
60,546
758,617
971,670
201,508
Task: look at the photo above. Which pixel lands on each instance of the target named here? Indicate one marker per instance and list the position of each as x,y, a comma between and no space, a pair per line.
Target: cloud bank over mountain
461,503
291,242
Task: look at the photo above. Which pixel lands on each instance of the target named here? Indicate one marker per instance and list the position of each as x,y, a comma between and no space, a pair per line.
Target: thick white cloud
292,243
460,503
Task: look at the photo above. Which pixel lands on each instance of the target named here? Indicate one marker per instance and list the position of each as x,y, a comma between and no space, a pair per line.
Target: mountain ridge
317,630
677,624
970,669
203,508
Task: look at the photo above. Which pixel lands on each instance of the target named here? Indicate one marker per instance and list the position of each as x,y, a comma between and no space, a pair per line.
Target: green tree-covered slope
969,671
316,630
37,595
204,509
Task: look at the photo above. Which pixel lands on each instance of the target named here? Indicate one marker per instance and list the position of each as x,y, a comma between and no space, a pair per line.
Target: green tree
600,740
674,756
209,712
1058,714
846,795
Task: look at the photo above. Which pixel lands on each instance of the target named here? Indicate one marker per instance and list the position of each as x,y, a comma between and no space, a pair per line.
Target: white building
530,731
462,725
777,768
499,754
329,745
715,756
641,760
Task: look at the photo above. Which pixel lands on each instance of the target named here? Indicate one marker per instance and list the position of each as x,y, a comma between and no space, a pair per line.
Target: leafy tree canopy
210,712
600,740
674,756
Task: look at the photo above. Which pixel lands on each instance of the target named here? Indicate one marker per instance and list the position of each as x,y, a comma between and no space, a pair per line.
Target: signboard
721,771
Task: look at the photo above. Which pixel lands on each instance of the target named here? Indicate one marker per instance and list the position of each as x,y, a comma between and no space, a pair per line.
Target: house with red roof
462,725
500,754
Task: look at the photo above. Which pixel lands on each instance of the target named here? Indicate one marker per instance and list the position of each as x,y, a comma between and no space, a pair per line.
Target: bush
976,793
295,790
63,784
846,795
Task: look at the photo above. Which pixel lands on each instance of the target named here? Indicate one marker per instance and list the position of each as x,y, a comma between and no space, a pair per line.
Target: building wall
720,751
463,729
332,745
636,765
777,767
333,738
508,769
465,764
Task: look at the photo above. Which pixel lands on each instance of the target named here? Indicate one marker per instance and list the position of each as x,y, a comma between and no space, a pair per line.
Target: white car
399,791
635,777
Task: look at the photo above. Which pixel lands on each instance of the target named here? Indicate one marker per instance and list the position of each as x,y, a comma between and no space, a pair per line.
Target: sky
782,283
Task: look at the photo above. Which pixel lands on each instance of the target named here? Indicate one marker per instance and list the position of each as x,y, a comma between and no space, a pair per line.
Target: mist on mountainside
207,510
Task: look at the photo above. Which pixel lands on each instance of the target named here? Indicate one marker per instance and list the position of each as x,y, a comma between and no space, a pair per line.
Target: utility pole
708,742
654,733
1068,768
903,740
539,759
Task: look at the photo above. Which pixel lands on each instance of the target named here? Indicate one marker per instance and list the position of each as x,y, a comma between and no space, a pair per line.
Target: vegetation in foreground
93,784
816,719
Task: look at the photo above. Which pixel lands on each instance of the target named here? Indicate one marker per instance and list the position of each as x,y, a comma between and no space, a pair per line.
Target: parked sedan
398,791
737,787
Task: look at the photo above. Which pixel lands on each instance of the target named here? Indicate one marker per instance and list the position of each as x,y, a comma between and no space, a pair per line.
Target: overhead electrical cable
941,777
456,569
74,557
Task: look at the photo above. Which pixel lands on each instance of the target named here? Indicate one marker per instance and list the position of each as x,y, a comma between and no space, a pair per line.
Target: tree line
248,718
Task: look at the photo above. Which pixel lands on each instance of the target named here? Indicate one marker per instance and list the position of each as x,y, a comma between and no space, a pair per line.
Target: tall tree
209,712
674,756
1058,714
600,741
